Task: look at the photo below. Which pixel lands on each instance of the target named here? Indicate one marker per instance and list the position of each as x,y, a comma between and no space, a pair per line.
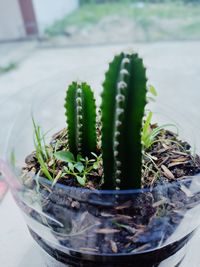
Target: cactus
81,119
123,103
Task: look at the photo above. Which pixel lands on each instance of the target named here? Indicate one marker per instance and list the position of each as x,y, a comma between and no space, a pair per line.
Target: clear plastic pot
79,227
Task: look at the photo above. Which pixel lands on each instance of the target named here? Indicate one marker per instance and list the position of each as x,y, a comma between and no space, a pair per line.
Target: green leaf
80,158
43,167
147,124
65,156
152,90
39,140
92,160
81,180
66,169
95,165
12,158
79,166
71,166
56,179
157,130
94,154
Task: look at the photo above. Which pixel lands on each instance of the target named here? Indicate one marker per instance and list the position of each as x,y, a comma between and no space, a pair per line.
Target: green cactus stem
81,119
123,103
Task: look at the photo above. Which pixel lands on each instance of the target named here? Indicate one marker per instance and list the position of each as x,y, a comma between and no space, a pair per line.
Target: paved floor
173,68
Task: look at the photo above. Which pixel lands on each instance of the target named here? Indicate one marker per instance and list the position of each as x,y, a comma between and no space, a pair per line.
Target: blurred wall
11,21
48,11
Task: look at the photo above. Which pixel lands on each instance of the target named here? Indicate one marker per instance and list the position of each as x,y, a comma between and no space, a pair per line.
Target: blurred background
87,22
45,44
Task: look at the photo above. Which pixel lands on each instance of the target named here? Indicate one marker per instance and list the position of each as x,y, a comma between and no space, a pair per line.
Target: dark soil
167,160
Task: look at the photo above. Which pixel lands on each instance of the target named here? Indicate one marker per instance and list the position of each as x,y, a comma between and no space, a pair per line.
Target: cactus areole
123,103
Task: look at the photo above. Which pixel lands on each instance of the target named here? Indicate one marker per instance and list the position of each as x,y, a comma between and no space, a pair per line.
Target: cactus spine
81,119
123,103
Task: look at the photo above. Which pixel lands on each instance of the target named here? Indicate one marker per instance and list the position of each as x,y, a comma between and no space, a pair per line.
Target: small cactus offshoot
123,103
81,119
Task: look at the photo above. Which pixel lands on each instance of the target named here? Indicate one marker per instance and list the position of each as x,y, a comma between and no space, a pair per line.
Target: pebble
75,204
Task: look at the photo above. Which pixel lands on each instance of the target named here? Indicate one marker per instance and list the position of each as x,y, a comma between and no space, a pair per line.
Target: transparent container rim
66,188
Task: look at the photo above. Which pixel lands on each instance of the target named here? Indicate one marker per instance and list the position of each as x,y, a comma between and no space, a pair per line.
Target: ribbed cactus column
81,119
123,103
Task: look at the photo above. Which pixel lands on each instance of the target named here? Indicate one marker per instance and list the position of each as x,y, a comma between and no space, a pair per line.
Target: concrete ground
173,68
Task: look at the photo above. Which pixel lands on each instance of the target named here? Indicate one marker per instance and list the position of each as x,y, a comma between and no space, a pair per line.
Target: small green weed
156,21
149,134
80,167
41,150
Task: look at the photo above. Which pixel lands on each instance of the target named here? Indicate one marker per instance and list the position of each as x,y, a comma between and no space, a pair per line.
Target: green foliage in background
9,67
84,2
151,20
